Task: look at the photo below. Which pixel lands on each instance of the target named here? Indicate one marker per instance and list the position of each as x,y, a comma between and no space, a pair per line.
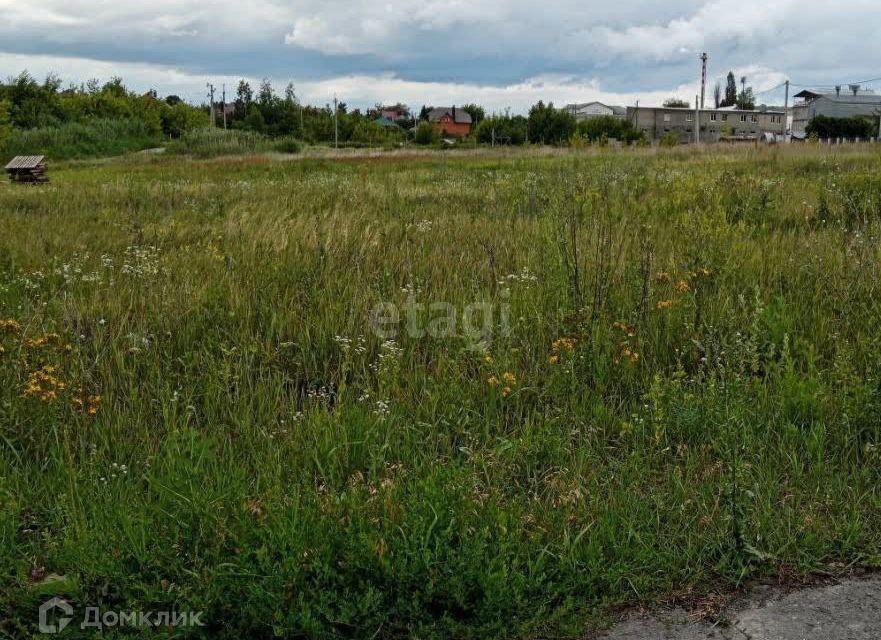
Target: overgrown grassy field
615,377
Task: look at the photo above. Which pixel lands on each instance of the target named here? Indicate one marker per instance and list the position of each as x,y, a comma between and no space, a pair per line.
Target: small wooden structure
29,169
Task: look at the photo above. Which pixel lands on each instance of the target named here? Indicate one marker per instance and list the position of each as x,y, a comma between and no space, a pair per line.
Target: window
713,117
689,118
666,117
724,117
754,118
743,117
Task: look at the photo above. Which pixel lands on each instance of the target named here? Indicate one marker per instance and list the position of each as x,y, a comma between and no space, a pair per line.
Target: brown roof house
451,122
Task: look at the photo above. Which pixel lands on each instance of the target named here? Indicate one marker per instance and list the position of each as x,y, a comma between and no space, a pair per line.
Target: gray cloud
626,49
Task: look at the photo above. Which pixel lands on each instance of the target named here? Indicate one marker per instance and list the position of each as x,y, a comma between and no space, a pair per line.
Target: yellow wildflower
662,277
563,344
553,359
683,287
506,392
510,378
493,381
11,326
665,304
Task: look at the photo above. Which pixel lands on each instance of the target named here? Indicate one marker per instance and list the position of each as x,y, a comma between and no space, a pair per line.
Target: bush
670,139
508,130
855,127
288,145
426,133
607,127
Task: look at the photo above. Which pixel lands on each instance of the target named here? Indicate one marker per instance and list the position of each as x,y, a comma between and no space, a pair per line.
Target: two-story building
451,121
715,124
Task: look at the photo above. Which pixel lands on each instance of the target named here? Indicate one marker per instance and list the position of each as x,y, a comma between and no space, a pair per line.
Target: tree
717,94
423,113
244,98
502,130
746,100
173,100
266,96
547,125
730,91
476,112
676,103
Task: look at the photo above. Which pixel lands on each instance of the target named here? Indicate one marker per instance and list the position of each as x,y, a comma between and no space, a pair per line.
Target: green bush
288,145
426,133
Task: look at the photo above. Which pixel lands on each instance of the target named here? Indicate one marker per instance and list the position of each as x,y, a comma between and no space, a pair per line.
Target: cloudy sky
500,53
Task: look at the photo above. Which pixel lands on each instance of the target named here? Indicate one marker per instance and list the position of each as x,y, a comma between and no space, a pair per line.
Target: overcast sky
499,53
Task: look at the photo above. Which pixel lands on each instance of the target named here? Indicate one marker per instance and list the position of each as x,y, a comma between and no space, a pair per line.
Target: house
451,122
394,113
833,104
386,123
715,124
586,110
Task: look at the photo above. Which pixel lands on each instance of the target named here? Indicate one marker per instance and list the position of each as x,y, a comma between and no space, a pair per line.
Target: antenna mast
704,58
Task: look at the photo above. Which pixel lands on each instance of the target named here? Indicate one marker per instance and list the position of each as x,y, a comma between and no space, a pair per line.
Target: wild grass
687,397
210,143
72,140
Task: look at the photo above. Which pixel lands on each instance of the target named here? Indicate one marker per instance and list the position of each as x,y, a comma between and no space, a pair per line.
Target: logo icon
61,620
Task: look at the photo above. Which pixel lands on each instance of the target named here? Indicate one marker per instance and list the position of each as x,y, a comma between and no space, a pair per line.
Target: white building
585,110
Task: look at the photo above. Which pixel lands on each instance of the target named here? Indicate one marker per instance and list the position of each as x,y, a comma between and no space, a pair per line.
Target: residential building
855,101
715,124
451,122
583,111
394,112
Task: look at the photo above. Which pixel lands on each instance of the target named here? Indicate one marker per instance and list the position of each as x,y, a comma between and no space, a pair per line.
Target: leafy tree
244,99
254,121
717,94
746,100
503,130
676,103
730,91
423,113
547,125
5,125
173,100
476,112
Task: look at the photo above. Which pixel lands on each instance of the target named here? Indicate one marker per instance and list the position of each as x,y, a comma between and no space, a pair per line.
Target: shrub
288,145
426,133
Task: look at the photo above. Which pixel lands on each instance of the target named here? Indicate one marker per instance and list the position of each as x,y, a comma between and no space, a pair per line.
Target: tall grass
208,143
95,138
687,396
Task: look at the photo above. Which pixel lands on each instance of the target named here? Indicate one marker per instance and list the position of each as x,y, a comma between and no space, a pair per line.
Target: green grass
80,140
293,474
211,143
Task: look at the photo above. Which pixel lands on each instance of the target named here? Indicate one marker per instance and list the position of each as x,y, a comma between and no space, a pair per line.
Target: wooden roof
25,162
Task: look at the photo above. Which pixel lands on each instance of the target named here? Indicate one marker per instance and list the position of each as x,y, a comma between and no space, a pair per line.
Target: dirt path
850,610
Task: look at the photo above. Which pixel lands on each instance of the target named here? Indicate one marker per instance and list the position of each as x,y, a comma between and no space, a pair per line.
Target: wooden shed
28,169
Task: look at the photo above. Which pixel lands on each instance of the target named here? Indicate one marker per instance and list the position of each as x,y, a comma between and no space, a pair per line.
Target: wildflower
683,287
488,358
665,304
628,329
493,381
43,384
662,278
563,344
506,392
510,378
10,326
553,359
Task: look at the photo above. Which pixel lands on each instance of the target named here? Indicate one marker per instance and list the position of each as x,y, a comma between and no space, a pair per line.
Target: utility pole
211,103
704,58
223,105
697,120
336,126
786,115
